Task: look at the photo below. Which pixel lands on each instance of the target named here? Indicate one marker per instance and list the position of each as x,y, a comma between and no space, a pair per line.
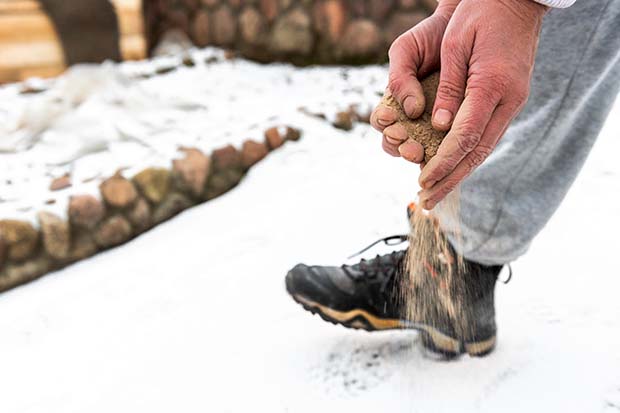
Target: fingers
389,148
496,128
397,143
469,125
415,54
382,117
452,82
393,137
411,151
395,134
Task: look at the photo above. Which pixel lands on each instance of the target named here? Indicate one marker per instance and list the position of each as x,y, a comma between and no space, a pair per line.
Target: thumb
452,84
416,53
403,82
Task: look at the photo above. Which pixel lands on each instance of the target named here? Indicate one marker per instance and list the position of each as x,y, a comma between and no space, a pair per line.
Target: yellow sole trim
346,316
480,347
440,340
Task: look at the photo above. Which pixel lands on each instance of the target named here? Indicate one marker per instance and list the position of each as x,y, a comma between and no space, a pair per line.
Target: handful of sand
421,129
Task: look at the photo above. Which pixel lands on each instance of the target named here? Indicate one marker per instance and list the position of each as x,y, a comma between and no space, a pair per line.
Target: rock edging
299,31
127,208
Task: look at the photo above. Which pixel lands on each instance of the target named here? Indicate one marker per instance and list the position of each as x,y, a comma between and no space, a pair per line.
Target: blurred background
247,121
42,37
113,88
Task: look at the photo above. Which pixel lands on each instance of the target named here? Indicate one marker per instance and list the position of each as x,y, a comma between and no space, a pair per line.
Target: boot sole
432,338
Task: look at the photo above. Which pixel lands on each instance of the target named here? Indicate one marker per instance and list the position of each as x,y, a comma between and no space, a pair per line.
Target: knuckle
500,79
492,87
403,45
477,156
442,169
502,83
449,90
520,95
456,48
441,17
395,49
487,92
467,139
396,84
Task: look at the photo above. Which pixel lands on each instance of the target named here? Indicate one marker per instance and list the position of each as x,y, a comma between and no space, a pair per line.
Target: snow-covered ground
98,119
193,316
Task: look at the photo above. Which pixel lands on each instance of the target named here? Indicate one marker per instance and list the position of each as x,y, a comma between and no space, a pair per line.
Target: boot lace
383,269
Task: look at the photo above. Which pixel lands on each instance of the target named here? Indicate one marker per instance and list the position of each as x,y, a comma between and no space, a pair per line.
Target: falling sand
434,291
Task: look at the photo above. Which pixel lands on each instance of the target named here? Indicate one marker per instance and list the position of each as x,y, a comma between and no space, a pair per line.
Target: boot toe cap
321,284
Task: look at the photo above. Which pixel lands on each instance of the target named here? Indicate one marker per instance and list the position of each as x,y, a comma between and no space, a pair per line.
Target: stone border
127,208
344,120
298,31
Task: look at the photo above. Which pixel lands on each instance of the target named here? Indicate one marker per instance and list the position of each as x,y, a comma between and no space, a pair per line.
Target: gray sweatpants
513,194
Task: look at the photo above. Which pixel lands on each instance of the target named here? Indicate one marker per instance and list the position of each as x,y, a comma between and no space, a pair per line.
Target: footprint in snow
353,366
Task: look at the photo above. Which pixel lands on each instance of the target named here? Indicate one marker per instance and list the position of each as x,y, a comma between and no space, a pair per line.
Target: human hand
413,55
487,56
487,59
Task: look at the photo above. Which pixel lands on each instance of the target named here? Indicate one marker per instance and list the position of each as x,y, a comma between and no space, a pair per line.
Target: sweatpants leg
512,195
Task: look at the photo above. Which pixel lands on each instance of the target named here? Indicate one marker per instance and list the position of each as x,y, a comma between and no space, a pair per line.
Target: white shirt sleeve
560,4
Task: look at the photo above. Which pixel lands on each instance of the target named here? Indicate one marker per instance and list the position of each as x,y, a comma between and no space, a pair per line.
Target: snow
193,316
98,119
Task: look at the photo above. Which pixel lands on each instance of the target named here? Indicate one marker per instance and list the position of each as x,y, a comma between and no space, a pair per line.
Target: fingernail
391,140
443,117
410,105
383,122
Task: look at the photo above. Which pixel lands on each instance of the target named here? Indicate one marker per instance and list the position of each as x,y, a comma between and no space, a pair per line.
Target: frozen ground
193,317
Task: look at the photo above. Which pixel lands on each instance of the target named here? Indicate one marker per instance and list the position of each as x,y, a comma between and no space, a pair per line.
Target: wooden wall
29,45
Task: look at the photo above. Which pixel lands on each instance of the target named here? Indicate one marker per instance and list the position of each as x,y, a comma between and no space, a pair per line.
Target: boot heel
448,348
480,348
451,348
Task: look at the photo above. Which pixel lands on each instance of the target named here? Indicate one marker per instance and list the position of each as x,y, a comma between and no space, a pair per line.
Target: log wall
301,31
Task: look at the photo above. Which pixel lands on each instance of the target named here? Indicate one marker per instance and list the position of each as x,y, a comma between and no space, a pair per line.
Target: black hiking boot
367,296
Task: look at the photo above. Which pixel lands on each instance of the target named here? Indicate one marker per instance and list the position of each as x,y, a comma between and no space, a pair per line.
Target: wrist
538,6
529,10
559,4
